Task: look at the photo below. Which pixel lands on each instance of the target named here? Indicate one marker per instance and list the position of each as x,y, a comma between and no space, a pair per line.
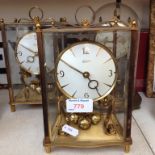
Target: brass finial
15,20
37,22
63,19
100,19
134,23
52,21
85,23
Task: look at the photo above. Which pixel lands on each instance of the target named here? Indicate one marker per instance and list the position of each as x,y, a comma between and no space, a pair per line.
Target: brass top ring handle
88,7
36,8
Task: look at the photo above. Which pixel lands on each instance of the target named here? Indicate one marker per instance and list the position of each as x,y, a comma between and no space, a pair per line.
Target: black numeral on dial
62,74
19,53
85,51
86,95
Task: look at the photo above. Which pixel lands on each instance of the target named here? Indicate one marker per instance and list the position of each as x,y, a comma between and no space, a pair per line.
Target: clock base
25,95
127,148
98,137
47,145
48,149
13,108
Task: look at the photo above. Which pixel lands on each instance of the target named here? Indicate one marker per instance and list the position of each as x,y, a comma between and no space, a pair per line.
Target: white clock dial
27,54
86,70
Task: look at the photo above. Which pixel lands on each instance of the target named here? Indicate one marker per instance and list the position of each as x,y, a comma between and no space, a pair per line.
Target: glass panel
24,63
51,52
119,42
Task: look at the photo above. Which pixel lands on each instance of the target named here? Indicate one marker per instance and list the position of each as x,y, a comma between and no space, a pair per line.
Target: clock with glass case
87,70
22,60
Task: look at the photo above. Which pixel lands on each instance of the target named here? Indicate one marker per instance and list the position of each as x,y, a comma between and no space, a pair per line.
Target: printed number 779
78,106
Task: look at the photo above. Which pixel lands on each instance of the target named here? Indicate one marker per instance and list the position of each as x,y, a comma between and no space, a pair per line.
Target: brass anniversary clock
22,60
90,81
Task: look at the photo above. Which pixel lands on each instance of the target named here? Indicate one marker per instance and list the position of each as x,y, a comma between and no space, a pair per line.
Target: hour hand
28,48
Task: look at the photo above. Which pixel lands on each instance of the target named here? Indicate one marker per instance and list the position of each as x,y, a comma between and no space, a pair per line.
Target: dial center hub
86,74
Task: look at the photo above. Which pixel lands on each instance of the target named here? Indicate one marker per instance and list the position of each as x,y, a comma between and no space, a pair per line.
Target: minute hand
71,66
28,48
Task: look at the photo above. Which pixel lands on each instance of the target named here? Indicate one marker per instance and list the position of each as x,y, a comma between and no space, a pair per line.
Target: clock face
27,54
86,70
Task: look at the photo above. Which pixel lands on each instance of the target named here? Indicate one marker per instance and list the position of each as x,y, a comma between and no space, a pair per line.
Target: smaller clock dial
27,53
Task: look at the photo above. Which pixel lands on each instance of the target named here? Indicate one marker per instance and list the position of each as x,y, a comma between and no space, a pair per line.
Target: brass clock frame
51,137
150,80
